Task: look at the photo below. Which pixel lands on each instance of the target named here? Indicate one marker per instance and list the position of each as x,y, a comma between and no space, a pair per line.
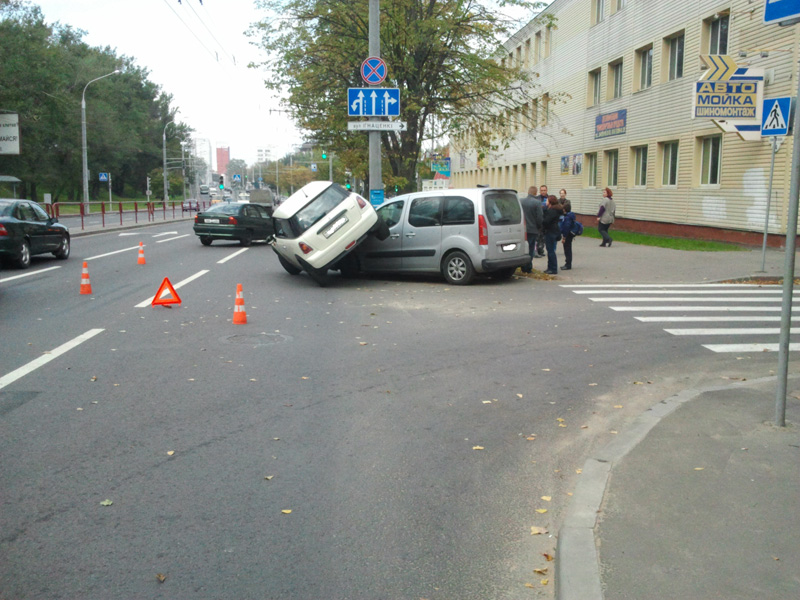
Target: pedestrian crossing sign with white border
776,116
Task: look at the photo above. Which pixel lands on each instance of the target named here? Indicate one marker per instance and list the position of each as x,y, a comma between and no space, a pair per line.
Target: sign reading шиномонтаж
726,99
610,124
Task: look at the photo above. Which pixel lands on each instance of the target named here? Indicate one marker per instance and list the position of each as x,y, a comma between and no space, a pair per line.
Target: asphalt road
412,428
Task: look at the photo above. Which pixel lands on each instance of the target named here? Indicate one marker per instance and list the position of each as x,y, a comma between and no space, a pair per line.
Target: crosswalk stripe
776,292
678,299
748,347
726,331
709,319
699,308
653,285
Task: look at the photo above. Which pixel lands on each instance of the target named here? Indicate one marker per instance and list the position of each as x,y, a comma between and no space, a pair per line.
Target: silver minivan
455,232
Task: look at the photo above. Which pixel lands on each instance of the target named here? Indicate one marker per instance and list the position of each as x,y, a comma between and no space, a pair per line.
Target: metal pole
109,190
788,277
330,166
277,183
291,178
164,149
375,177
83,140
769,201
183,170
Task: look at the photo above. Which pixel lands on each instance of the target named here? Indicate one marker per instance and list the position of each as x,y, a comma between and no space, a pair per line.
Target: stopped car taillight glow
361,202
195,218
483,231
3,230
306,248
232,221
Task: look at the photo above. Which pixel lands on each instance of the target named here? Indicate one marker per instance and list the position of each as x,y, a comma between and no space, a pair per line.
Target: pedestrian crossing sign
776,116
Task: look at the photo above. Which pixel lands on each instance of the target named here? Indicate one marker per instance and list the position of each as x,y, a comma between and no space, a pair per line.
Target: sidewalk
699,497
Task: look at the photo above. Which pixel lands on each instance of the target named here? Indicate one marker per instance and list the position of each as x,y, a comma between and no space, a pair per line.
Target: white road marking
149,301
227,258
28,274
740,291
727,331
174,238
166,233
124,233
657,285
748,347
699,308
708,319
46,358
112,253
679,299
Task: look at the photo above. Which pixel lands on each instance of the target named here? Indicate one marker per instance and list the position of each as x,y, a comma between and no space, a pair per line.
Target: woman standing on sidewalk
552,233
606,216
566,230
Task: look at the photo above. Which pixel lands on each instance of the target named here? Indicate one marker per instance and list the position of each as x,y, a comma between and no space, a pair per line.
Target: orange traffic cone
141,254
86,285
239,314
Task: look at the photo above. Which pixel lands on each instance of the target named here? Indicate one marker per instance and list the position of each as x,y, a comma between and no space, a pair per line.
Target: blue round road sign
373,70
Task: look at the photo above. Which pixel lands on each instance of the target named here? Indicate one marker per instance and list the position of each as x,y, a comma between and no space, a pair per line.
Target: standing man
532,210
540,243
552,233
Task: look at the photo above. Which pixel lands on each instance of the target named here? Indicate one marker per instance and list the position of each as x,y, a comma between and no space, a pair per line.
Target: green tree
445,57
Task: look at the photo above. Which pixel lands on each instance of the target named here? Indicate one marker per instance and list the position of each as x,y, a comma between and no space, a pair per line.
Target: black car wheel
246,239
24,257
63,248
457,269
205,240
289,267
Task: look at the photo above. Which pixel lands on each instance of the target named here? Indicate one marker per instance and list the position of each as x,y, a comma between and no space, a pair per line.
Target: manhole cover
256,340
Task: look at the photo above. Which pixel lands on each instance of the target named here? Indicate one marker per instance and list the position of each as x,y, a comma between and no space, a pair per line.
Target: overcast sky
189,49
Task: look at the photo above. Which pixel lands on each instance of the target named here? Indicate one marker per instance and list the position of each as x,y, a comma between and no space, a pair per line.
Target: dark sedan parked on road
25,230
233,221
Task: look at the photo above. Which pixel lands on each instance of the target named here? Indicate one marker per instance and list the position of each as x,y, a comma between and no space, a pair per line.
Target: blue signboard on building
610,124
776,11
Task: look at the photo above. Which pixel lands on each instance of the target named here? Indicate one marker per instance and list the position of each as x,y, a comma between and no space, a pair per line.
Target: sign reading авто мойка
610,124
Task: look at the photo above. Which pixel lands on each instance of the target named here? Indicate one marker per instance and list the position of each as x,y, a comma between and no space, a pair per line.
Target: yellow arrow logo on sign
720,67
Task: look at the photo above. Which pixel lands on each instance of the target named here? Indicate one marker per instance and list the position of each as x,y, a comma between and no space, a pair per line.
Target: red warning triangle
162,298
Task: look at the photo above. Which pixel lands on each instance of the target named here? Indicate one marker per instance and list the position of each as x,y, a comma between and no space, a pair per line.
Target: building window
640,166
598,11
615,77
591,170
670,163
612,167
538,41
535,114
718,35
645,65
594,87
527,53
548,33
675,47
545,110
710,164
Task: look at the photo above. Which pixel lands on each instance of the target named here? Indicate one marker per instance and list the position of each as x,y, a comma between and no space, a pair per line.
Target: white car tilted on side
320,224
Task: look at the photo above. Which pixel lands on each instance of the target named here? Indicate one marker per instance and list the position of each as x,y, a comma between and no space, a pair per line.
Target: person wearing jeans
606,216
566,231
552,233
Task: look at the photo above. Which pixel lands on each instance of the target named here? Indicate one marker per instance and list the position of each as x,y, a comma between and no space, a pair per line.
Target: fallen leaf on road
362,343
618,406
106,503
584,427
592,384
613,431
477,447
519,395
775,558
545,369
545,581
562,424
487,401
94,378
286,512
699,468
538,530
529,585
161,577
548,557
541,511
170,453
540,571
531,438
546,498
579,471
304,377
268,477
638,383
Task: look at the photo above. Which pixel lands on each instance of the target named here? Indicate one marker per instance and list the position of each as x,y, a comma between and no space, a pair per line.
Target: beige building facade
612,107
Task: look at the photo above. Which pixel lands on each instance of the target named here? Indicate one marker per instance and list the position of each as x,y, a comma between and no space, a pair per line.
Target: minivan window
502,208
424,212
458,211
320,206
391,213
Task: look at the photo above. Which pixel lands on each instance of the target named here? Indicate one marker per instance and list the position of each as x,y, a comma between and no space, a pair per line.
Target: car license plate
337,225
509,247
211,220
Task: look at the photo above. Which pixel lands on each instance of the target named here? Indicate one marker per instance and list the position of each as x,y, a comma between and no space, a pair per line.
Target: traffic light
222,182
347,183
148,183
324,155
396,187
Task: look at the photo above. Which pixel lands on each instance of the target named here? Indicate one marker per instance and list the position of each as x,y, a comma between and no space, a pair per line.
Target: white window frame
640,166
596,87
670,163
645,58
711,160
676,46
714,46
612,168
616,70
591,169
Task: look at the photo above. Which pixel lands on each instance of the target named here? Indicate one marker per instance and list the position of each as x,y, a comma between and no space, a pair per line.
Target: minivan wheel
457,269
289,267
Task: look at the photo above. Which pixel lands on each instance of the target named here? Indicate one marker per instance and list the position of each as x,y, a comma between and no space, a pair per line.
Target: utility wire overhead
189,28
211,33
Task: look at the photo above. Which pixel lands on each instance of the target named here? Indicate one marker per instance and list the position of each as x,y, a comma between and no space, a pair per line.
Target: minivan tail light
306,248
361,202
483,231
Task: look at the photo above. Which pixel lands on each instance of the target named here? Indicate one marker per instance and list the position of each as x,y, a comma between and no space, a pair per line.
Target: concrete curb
577,561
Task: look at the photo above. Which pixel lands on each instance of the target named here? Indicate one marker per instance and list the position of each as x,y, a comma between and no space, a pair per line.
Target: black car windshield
319,207
502,208
224,208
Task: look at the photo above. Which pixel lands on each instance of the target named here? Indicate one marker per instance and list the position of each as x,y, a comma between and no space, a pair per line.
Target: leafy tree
444,56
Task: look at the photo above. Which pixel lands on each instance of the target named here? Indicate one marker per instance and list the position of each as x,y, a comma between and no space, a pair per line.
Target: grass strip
644,239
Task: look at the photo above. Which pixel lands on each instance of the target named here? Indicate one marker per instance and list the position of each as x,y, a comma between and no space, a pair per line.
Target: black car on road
26,229
233,221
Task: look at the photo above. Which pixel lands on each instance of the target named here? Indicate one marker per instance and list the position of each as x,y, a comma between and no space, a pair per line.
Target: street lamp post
83,136
183,169
164,148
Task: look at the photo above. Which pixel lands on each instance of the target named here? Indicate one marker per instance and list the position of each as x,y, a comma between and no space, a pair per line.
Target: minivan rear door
505,225
422,234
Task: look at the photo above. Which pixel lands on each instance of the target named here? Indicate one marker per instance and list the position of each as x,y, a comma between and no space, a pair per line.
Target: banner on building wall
610,124
441,165
577,164
565,165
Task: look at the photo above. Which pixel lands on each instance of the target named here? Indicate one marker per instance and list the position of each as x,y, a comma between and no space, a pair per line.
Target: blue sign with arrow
373,102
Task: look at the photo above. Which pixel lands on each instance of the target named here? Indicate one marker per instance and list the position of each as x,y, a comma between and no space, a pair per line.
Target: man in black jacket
552,233
532,211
